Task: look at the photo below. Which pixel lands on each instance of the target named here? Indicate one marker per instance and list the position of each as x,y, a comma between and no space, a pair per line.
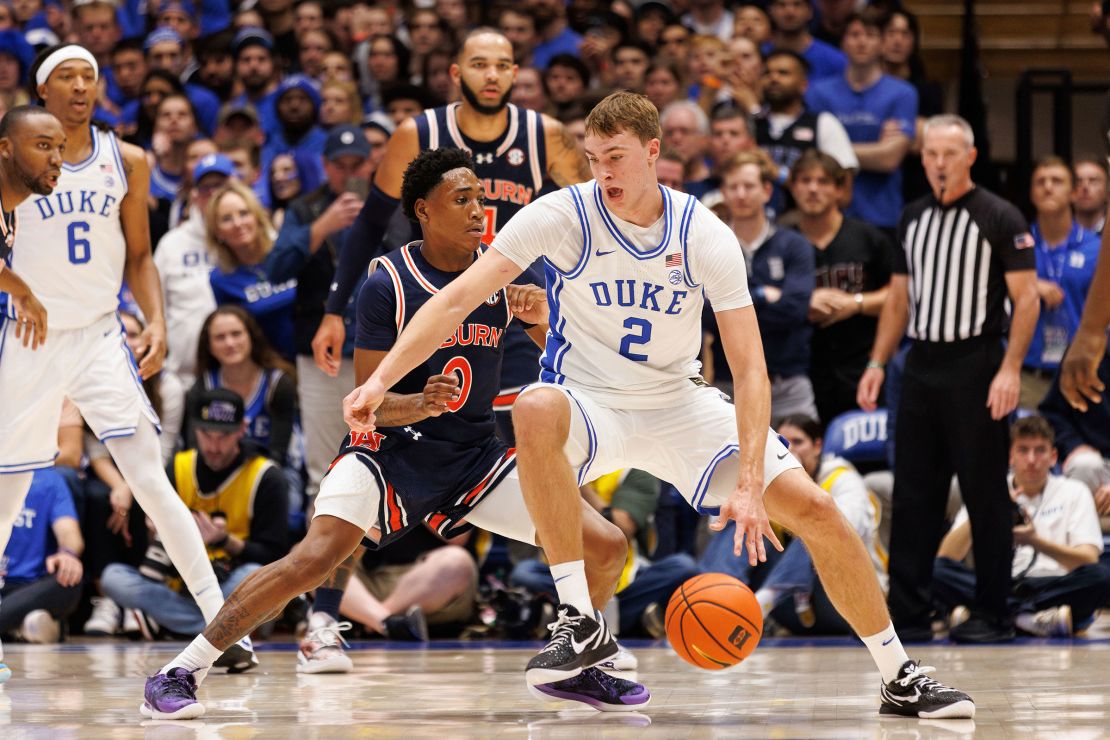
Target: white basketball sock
198,657
570,583
887,652
767,597
138,458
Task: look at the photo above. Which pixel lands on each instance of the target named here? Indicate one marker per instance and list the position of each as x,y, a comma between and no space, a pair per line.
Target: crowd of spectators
800,124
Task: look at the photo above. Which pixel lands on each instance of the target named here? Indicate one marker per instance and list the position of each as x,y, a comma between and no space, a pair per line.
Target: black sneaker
979,630
239,658
577,642
598,689
408,627
914,694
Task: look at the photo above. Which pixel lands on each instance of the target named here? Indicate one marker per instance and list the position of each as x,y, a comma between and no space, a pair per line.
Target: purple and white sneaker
601,691
171,695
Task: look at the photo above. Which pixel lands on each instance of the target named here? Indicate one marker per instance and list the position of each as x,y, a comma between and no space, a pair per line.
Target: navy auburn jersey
512,169
439,468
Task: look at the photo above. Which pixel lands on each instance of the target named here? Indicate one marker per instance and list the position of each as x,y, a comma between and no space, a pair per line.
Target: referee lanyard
1055,328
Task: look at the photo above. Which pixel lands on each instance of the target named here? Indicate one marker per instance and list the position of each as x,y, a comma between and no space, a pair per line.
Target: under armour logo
483,158
415,434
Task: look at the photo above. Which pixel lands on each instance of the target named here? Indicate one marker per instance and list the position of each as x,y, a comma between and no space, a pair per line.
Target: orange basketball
713,621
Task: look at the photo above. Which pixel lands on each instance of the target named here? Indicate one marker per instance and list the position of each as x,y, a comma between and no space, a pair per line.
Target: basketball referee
964,250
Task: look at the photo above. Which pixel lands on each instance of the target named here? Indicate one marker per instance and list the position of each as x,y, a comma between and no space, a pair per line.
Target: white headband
65,54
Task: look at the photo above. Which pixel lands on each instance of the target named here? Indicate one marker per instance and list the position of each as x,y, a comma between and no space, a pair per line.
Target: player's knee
610,547
1084,466
541,414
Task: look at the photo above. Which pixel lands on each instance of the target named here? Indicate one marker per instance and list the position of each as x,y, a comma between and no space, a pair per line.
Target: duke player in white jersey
629,264
73,249
31,146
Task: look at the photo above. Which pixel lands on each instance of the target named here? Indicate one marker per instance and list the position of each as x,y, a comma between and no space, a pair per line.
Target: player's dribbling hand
327,345
359,406
30,321
152,349
438,392
527,302
870,383
745,507
1079,381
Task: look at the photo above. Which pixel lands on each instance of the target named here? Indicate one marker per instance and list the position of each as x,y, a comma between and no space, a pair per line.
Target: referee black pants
945,427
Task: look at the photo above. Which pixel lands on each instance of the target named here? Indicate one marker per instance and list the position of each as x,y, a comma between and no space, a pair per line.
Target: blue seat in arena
858,436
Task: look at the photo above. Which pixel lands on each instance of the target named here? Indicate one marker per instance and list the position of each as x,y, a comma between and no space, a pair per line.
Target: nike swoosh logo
783,457
599,253
561,578
579,647
888,641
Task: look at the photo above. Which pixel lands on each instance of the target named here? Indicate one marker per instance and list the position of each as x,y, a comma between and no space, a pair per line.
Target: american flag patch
674,260
1024,241
106,168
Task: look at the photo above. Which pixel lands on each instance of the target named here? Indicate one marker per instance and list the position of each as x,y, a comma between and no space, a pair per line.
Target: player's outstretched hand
1002,397
360,404
1079,381
527,302
327,345
439,392
30,320
870,384
152,349
745,507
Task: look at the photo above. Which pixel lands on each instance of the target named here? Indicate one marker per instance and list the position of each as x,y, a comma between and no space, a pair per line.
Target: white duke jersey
69,247
626,301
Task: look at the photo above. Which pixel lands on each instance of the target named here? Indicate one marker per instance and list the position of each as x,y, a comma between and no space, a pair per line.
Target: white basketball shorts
91,365
692,446
350,492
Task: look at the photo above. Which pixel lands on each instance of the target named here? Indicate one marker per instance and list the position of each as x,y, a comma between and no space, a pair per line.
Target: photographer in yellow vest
239,501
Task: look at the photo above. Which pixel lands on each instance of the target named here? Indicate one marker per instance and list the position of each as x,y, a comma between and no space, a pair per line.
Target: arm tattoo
568,166
342,573
398,410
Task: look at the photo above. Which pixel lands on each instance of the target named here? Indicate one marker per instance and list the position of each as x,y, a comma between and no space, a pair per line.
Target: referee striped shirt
956,257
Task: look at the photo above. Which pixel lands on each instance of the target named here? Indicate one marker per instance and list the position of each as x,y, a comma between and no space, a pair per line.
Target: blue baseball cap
161,35
346,139
213,164
187,7
303,83
252,36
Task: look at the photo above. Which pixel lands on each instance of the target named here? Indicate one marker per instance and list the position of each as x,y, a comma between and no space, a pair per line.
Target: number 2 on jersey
461,367
643,337
79,252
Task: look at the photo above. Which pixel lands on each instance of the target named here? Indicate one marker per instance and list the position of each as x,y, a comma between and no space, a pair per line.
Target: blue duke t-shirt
32,536
876,196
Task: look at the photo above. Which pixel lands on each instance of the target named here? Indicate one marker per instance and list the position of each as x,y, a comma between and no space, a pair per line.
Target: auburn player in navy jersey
433,460
515,151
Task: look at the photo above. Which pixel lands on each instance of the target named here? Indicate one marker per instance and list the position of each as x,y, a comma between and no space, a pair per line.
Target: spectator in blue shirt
164,48
782,276
1066,257
878,112
253,49
790,19
297,104
42,584
557,37
241,235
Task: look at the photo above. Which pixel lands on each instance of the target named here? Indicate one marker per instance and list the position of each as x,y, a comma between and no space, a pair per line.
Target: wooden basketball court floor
786,689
